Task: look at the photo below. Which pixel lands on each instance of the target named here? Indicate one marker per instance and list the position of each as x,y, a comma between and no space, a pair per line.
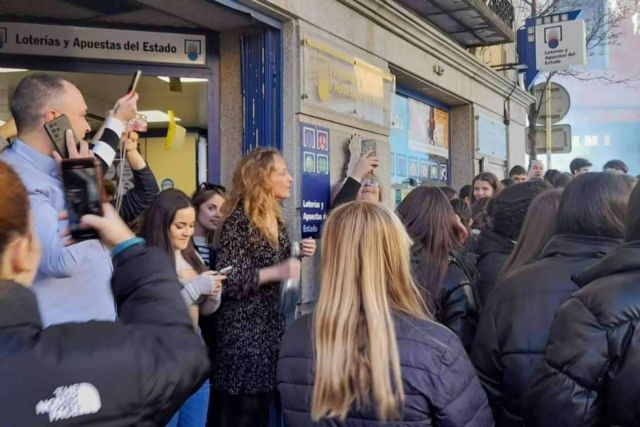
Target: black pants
243,410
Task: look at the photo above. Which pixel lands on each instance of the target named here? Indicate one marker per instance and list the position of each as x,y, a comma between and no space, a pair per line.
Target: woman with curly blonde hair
253,241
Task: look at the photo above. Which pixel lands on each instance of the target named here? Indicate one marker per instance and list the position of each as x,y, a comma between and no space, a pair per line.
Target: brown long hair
430,221
157,221
364,278
203,193
251,189
595,204
538,228
633,217
14,214
489,177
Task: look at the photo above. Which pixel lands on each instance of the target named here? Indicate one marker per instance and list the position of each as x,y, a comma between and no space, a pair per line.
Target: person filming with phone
137,371
37,105
361,184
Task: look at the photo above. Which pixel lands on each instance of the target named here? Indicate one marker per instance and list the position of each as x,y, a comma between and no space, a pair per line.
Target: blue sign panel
527,42
316,183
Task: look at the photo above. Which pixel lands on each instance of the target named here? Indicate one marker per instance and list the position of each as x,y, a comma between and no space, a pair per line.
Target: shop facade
323,80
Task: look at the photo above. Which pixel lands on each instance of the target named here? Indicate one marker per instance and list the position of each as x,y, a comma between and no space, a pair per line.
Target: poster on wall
419,140
439,144
316,184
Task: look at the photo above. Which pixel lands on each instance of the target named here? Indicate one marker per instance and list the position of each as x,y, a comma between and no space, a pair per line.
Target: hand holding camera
367,163
209,283
126,108
109,226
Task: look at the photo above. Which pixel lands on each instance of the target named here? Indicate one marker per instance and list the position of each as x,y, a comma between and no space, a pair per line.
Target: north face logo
70,401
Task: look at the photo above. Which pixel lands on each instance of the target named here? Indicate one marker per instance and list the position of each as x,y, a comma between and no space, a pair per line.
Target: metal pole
548,124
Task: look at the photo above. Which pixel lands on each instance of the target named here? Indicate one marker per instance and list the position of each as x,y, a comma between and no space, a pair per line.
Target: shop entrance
180,161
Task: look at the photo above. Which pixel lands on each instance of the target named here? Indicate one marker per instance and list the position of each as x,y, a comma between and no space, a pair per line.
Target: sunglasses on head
369,183
206,186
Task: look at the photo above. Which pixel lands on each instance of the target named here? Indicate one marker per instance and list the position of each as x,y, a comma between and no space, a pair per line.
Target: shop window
419,140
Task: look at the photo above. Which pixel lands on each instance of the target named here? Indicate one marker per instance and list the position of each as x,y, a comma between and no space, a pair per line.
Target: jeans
244,410
193,412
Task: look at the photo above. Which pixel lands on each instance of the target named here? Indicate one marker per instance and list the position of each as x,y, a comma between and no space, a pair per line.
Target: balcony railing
504,10
470,22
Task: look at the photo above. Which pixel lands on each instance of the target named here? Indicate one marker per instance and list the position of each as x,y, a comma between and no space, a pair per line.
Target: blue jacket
440,384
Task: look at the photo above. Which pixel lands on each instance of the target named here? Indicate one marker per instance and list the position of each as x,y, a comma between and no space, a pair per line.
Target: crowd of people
508,302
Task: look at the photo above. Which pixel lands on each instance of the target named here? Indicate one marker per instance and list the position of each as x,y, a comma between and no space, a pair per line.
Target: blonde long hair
365,276
251,187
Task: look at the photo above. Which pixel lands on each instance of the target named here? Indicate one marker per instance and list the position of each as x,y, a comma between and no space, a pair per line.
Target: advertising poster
316,184
419,140
440,141
413,168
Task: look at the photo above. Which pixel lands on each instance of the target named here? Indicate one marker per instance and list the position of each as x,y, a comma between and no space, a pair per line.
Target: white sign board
560,45
560,139
101,43
560,102
492,137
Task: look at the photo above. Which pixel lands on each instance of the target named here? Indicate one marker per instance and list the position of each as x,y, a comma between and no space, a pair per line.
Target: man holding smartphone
64,271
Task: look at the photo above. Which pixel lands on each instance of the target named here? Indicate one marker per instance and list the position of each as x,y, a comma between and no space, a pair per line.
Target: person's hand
366,164
110,227
307,247
217,285
130,141
76,151
9,130
460,230
289,269
65,233
135,159
126,108
205,283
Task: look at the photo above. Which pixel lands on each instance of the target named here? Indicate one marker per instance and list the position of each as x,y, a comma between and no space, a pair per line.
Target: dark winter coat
493,251
455,304
514,325
592,362
248,325
136,371
440,385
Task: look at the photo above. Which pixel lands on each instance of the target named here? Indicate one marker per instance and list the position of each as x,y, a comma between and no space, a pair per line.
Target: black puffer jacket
136,371
592,362
493,250
455,305
514,326
440,385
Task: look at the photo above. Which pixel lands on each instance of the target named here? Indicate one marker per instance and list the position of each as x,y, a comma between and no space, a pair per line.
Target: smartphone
368,145
226,270
134,82
84,194
57,129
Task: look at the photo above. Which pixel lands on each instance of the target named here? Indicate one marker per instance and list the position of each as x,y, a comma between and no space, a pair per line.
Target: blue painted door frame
261,66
